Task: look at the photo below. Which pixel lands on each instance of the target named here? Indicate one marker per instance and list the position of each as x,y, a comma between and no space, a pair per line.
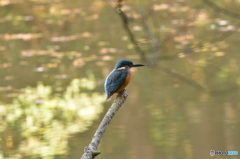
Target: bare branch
219,9
155,42
182,78
125,22
91,150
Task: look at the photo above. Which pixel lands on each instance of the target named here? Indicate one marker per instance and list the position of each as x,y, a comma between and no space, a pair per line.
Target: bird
119,78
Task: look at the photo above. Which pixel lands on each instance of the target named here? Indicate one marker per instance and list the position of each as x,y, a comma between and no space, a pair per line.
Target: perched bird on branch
119,78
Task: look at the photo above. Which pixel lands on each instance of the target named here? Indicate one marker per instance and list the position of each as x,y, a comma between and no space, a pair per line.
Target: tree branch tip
95,153
90,152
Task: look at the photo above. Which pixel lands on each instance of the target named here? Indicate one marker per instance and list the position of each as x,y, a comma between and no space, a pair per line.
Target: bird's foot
123,93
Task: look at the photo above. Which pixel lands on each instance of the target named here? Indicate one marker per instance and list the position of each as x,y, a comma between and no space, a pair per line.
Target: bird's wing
115,80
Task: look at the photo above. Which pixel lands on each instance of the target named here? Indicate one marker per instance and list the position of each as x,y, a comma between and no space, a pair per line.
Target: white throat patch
121,68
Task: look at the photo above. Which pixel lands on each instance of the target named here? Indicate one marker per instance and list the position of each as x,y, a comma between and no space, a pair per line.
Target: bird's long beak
137,65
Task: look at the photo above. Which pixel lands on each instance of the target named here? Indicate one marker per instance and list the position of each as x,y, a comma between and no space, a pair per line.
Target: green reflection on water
38,122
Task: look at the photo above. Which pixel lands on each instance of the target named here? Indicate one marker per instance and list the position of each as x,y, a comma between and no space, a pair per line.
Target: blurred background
56,54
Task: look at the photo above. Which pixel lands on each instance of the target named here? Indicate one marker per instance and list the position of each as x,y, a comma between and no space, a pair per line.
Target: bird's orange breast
127,81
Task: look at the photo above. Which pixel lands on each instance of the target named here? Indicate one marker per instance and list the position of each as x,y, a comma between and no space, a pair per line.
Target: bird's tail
109,94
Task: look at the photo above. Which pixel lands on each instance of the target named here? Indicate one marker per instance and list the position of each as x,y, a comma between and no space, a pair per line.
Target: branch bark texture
125,22
90,152
222,10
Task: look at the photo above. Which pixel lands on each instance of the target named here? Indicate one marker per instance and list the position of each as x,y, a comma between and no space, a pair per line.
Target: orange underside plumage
127,81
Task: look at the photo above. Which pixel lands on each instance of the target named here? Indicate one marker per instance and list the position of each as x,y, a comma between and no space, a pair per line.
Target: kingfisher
119,78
